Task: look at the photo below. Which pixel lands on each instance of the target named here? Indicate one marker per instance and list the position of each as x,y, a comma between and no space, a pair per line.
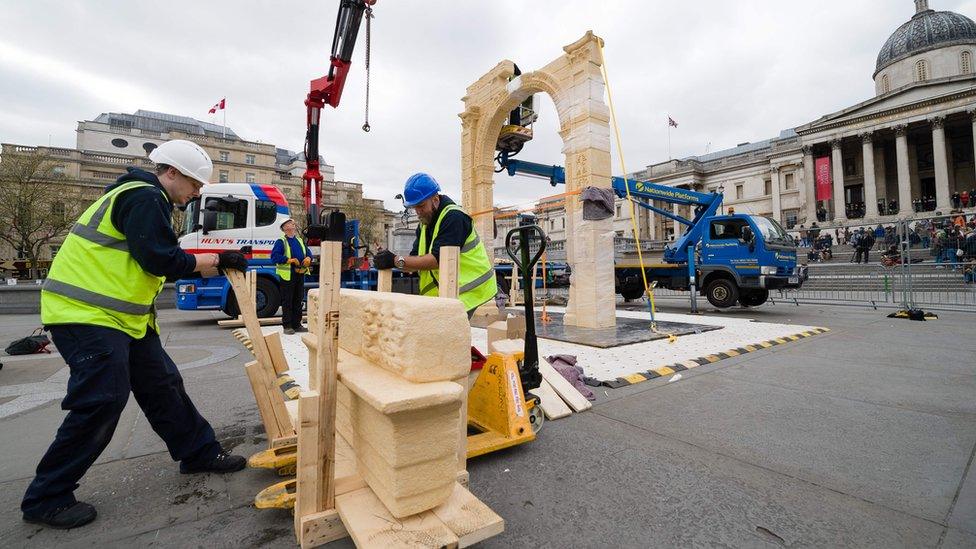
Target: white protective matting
615,362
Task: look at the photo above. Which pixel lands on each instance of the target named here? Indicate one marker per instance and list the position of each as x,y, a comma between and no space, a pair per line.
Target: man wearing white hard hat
98,304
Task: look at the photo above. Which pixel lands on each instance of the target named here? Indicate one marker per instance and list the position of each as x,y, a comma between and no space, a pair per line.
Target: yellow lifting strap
633,212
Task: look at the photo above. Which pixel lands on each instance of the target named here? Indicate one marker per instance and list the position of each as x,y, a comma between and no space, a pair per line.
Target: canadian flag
220,106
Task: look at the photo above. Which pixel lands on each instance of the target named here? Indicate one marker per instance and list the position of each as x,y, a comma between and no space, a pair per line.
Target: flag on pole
219,105
672,123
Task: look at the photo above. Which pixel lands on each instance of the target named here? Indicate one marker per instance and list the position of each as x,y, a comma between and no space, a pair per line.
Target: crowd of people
950,241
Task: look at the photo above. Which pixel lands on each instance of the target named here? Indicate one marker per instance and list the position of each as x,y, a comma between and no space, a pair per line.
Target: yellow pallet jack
498,411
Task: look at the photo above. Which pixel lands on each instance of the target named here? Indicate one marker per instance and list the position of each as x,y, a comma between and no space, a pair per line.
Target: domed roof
927,30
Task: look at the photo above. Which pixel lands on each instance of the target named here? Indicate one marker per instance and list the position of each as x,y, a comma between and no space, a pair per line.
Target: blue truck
729,259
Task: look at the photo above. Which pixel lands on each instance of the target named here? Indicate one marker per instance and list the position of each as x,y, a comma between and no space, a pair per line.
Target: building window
966,60
120,143
885,84
739,194
249,159
148,147
789,182
265,212
790,216
921,71
618,211
767,187
223,176
224,156
58,170
54,249
249,177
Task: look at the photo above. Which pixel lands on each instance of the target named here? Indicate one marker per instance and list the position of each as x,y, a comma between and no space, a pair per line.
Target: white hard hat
187,157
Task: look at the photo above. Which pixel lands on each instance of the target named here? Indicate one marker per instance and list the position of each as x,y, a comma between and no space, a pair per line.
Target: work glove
307,261
384,260
293,261
231,260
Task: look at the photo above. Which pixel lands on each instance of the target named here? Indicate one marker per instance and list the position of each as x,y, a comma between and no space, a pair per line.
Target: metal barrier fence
926,262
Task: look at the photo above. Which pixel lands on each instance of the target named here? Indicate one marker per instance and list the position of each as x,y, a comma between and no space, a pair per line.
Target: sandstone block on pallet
405,434
420,338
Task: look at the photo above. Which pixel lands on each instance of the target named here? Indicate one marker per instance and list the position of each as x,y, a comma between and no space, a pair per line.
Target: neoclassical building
909,148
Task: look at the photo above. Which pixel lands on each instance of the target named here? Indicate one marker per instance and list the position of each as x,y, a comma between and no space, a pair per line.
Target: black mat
627,331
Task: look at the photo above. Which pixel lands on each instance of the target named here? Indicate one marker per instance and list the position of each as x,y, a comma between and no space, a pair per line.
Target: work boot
289,331
224,462
68,516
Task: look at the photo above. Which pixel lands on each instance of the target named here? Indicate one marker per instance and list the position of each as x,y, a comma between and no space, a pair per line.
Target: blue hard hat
419,187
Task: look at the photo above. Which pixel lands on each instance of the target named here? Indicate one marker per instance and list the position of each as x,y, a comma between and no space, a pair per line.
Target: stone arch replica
575,84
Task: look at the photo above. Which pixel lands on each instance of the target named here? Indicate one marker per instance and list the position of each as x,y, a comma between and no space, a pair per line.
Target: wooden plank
278,360
320,528
371,525
326,358
239,323
552,405
468,517
384,280
513,287
263,400
563,388
308,497
447,285
245,303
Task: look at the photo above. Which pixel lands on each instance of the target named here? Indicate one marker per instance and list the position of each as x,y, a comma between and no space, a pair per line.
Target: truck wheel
753,298
268,298
631,292
722,293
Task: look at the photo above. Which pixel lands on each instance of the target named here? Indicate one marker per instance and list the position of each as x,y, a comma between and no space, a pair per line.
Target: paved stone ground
863,436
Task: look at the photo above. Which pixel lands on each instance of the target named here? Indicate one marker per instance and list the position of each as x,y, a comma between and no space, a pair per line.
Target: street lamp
721,190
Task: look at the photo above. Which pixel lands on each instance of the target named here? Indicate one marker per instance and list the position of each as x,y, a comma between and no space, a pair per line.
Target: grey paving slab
590,481
889,384
963,514
958,539
904,459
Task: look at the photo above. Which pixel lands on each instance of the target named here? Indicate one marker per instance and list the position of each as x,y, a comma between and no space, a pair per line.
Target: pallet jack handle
529,372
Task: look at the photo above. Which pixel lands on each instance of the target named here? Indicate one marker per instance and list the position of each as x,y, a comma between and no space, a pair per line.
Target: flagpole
669,137
224,101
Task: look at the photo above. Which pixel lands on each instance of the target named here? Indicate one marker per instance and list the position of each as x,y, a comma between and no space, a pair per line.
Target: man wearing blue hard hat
443,223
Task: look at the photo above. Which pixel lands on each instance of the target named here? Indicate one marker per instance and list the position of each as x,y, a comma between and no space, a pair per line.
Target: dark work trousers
106,365
292,295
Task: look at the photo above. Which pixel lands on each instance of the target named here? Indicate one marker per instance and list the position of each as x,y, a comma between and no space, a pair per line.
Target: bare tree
34,206
370,219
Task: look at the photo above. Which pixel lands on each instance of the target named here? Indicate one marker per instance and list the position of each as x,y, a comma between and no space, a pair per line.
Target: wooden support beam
326,358
263,399
278,360
447,284
308,497
384,280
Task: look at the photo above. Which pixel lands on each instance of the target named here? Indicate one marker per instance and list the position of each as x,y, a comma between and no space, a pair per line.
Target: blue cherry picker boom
728,258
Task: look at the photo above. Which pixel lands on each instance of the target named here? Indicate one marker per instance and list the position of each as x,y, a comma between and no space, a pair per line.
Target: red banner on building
824,185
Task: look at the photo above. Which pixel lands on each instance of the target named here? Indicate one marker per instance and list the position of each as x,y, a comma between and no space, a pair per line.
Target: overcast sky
726,71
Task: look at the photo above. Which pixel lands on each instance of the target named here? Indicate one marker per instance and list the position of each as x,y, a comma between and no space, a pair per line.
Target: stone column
777,200
676,210
840,207
941,164
870,184
810,186
904,178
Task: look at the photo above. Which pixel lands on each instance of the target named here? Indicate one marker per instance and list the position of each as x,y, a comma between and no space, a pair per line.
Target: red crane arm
327,90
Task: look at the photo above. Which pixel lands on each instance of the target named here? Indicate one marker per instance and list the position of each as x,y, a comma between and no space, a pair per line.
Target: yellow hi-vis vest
476,275
284,270
95,280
